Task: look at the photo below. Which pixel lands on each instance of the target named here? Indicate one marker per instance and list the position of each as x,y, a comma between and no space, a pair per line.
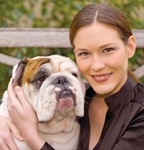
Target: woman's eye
83,53
108,50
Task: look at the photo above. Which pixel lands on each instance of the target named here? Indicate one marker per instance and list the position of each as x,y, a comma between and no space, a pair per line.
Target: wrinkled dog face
52,85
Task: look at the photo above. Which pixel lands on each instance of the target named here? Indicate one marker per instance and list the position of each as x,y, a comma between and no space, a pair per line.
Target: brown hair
104,14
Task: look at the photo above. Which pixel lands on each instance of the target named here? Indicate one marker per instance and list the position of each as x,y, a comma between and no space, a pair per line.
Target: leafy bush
56,14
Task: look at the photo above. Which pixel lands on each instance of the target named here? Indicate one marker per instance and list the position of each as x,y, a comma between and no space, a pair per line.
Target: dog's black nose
61,80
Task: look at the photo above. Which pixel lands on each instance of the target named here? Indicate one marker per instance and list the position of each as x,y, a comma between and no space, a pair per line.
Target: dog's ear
17,79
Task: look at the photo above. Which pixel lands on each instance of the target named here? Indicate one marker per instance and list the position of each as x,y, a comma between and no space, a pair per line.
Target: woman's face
102,57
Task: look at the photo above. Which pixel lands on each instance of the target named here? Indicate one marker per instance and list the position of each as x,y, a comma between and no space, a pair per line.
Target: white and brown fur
54,88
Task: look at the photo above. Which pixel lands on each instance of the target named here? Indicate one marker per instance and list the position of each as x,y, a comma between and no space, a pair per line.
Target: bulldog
55,89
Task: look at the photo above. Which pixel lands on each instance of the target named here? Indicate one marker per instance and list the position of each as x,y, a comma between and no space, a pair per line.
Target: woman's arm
6,139
24,117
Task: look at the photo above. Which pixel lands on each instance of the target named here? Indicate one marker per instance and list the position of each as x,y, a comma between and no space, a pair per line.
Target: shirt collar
116,99
121,96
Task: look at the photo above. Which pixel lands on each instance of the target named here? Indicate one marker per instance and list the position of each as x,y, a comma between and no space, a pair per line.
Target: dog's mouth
66,101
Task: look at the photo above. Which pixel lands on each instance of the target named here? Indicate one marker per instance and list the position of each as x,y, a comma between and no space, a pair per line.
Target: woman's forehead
97,34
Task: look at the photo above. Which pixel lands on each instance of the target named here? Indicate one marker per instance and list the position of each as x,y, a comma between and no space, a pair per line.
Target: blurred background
57,14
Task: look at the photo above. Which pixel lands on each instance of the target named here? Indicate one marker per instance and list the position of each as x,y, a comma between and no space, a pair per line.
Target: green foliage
59,14
12,11
4,78
56,14
131,10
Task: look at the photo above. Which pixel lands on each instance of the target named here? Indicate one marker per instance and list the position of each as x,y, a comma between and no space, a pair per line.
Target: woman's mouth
102,77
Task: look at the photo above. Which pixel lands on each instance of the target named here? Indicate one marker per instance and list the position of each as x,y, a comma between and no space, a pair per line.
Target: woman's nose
97,63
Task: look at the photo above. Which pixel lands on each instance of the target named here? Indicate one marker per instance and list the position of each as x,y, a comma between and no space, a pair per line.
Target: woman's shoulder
139,94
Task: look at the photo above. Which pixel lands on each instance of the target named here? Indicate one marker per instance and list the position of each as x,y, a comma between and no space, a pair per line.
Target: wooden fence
47,38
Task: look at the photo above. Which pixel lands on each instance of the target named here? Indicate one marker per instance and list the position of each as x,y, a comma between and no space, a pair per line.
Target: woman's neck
97,113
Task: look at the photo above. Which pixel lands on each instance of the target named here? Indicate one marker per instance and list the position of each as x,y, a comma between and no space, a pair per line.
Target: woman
114,113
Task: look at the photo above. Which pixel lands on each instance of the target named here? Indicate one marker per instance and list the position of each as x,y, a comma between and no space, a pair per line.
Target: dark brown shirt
124,124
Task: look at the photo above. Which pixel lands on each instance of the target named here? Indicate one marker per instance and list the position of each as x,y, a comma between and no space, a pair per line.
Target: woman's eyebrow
80,49
109,44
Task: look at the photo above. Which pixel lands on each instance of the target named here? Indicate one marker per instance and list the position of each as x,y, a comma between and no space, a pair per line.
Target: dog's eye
75,75
41,79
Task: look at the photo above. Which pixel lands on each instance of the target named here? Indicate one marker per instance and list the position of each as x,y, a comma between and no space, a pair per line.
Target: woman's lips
102,77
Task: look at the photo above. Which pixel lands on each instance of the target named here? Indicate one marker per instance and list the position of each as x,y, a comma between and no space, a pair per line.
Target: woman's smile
102,77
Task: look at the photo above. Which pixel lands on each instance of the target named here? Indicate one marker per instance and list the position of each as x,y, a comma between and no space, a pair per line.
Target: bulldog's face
52,85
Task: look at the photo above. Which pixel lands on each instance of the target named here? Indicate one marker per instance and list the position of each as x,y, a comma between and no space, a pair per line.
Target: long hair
104,14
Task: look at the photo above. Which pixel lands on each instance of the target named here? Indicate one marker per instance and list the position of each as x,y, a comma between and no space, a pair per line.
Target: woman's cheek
81,65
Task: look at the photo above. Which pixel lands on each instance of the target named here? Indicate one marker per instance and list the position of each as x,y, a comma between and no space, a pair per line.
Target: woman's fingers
13,101
11,144
16,97
20,110
7,127
6,139
21,97
23,115
15,131
15,107
3,147
3,143
10,89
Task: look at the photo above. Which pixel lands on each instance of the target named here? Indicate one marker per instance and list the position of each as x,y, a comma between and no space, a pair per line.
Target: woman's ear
131,46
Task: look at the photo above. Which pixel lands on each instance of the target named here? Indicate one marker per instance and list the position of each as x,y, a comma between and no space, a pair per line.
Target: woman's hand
7,128
24,117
